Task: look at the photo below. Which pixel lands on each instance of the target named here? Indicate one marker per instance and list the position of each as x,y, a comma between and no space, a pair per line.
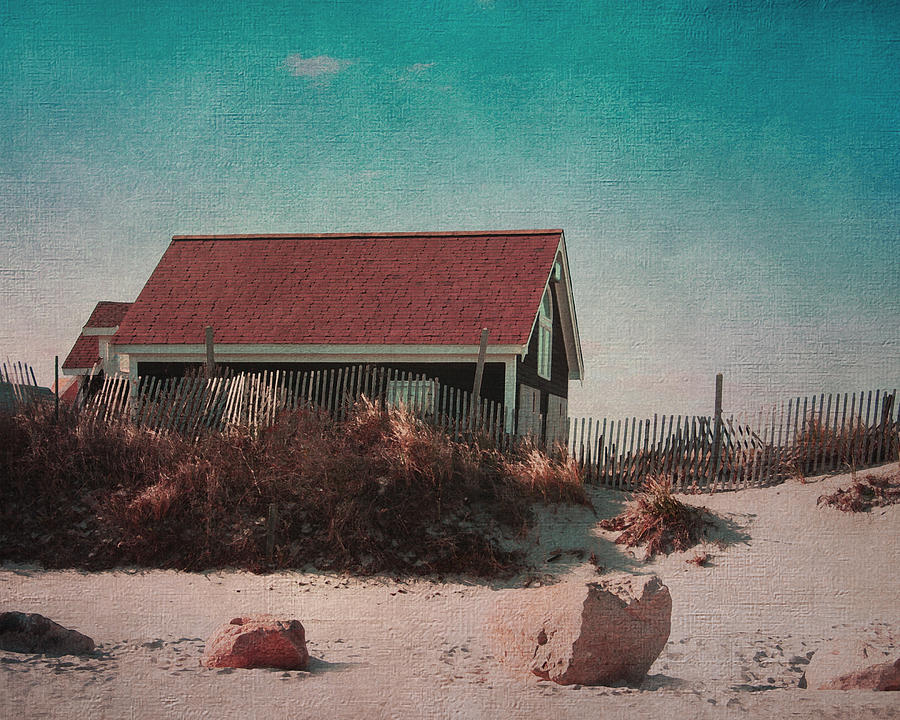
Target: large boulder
852,665
600,633
33,633
258,641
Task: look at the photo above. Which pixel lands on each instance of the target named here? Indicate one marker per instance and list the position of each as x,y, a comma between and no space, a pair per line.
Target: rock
33,633
258,641
852,665
600,633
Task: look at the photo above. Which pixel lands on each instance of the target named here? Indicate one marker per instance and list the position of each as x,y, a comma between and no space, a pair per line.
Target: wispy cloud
419,76
315,67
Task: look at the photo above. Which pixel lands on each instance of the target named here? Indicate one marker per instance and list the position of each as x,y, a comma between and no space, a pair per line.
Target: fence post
56,387
479,371
717,432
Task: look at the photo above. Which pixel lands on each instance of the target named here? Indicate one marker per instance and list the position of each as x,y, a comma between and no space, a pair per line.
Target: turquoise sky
727,174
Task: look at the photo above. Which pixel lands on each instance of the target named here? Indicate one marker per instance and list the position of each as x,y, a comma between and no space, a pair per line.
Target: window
529,411
557,414
417,395
545,336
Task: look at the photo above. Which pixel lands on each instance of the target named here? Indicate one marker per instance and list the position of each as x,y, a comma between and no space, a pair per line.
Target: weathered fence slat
620,453
866,443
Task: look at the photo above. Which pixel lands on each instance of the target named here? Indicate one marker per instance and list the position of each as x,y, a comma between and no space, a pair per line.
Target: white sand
791,576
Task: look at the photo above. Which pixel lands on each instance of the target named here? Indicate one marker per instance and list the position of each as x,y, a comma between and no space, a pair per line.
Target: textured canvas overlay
727,179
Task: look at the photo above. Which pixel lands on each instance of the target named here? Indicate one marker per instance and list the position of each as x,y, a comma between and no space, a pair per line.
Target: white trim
318,350
75,371
337,358
99,330
572,350
567,315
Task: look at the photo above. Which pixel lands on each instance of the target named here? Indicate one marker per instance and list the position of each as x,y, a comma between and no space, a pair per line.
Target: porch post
105,364
509,394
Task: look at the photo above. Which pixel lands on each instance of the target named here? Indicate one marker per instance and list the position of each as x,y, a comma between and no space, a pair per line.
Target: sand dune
790,575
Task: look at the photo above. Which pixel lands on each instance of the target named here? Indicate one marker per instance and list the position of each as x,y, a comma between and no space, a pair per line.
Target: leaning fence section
193,405
18,386
801,437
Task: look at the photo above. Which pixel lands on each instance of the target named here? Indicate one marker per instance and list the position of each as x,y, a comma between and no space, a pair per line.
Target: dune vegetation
378,491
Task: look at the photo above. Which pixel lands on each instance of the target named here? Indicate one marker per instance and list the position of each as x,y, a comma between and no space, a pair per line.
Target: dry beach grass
658,521
866,493
379,491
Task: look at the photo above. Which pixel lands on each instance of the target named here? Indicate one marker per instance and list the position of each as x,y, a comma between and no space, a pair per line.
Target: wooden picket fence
802,437
192,405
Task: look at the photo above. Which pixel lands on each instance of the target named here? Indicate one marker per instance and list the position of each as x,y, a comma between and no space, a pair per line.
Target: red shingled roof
86,351
415,288
107,314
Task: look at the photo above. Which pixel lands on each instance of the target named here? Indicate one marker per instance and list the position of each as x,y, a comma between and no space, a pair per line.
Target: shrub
655,518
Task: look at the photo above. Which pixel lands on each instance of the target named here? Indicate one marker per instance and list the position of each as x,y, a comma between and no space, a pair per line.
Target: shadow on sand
565,537
318,666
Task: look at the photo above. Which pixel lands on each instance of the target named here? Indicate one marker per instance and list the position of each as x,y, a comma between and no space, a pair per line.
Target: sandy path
791,576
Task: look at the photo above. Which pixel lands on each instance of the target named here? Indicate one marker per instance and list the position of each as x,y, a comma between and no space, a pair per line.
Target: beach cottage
416,302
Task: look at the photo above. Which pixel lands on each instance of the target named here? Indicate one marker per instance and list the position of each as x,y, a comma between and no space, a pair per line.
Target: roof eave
364,235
